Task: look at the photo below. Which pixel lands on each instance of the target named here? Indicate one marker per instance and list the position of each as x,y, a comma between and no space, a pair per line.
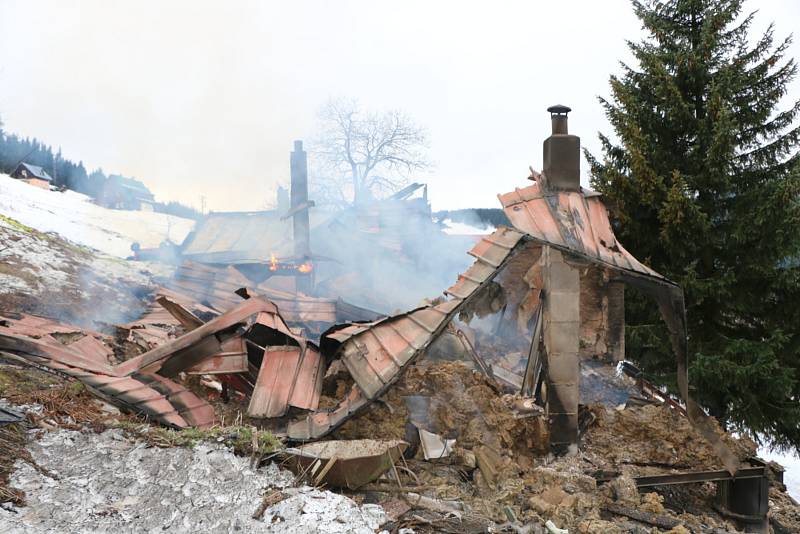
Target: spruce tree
703,180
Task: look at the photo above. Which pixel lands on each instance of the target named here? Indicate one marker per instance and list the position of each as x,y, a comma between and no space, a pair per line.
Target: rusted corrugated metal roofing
155,397
244,237
155,359
289,376
238,237
217,286
573,221
135,383
232,358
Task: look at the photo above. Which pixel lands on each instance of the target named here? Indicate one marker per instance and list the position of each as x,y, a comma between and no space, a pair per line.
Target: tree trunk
356,185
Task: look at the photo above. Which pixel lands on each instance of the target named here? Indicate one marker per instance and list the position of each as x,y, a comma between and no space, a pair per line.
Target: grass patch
19,226
244,440
12,448
68,404
16,381
77,249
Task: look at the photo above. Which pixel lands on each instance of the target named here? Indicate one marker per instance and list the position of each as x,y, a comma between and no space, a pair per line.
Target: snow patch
76,218
791,463
110,484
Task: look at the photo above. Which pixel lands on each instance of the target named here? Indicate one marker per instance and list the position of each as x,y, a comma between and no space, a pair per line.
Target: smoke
107,297
388,256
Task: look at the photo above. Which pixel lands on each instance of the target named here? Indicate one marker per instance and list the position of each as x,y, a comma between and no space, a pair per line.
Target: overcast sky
205,98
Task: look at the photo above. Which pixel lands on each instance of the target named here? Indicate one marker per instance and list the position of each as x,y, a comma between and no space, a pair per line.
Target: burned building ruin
540,313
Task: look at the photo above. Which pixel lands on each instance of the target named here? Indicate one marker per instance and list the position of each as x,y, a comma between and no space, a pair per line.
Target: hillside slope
77,219
46,275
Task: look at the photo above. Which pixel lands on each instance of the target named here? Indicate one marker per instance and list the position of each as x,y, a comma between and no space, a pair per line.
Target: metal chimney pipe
558,119
562,152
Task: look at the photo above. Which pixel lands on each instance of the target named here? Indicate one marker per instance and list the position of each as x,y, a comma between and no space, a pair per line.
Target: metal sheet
51,352
571,221
232,359
289,376
91,347
185,317
156,357
217,286
152,396
271,394
307,386
238,237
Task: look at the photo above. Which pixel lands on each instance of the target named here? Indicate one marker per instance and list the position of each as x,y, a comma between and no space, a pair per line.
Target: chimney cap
559,109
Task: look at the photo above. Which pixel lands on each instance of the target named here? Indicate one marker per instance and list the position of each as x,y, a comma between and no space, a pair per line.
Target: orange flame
305,267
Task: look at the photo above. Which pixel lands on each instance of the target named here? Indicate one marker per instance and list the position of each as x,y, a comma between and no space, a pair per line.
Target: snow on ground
45,275
76,218
460,228
107,483
791,462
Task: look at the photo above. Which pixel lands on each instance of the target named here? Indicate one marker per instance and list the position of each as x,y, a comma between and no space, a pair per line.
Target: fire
305,267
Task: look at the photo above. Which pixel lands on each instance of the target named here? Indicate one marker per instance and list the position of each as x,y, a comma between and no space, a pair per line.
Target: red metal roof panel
288,376
572,221
232,359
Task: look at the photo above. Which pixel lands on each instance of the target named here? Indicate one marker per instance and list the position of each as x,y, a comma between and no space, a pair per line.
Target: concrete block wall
562,321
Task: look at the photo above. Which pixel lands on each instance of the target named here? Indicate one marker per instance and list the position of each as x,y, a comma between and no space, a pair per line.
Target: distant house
124,193
33,175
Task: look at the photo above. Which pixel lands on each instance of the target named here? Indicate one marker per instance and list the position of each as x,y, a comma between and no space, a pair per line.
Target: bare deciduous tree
365,154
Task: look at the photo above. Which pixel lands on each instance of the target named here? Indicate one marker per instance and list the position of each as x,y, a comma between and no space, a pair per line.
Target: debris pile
498,466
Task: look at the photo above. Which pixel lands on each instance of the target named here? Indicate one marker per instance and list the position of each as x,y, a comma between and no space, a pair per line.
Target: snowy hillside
76,218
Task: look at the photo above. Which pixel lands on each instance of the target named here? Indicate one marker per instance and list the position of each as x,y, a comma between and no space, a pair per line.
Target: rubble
498,468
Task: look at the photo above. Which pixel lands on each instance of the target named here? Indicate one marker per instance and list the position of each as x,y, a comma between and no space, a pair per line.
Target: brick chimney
562,153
